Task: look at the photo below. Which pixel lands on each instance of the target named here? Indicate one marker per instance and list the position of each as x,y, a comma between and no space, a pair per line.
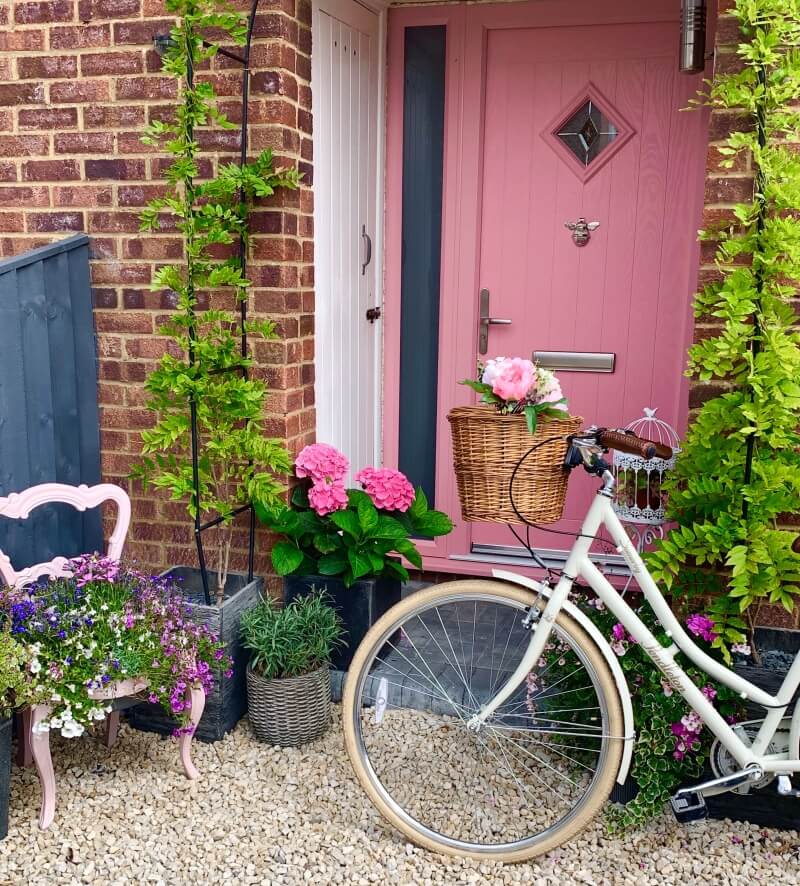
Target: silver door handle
368,242
485,321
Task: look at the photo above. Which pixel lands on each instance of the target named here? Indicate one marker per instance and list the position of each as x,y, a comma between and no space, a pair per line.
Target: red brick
48,118
113,9
112,116
21,41
15,94
140,33
84,143
131,143
80,37
139,195
79,91
51,170
51,11
83,196
117,170
146,88
8,172
729,190
120,272
12,221
55,221
129,419
23,145
103,247
113,222
104,63
43,67
24,196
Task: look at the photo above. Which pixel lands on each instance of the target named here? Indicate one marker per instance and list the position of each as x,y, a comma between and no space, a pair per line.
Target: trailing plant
739,470
672,745
107,623
289,641
350,533
516,386
207,373
17,688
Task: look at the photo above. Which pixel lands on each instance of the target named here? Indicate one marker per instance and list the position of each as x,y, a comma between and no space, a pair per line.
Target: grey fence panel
49,424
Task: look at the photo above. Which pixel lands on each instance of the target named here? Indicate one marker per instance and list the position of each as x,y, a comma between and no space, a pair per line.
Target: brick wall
724,188
78,82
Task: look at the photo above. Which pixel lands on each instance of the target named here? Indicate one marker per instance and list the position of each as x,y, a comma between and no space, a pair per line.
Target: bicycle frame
601,513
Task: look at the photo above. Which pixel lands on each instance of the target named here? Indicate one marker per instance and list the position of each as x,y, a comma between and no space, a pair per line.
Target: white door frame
348,10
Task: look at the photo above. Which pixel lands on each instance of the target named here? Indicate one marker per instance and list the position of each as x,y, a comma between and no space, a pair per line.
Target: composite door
583,123
345,84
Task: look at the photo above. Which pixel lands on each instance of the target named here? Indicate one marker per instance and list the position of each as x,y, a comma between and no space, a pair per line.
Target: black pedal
689,806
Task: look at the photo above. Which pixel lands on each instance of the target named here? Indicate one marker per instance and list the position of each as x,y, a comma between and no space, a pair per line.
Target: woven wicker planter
290,711
487,448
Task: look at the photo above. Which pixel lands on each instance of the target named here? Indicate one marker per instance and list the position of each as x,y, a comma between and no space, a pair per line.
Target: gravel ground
262,815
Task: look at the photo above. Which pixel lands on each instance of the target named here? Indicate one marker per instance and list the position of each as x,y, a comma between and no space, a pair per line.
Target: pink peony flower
388,489
492,369
325,498
514,379
322,463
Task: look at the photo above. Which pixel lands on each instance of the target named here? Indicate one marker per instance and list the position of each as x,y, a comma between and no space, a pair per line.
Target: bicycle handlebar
627,441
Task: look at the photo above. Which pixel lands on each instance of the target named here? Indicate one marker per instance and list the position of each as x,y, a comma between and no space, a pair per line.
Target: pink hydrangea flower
388,489
325,498
321,462
548,389
514,379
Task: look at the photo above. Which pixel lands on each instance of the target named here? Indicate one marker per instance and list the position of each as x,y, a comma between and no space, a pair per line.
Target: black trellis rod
199,526
755,347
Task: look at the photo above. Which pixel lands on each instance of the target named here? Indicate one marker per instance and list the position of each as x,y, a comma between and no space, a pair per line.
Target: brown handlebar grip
626,442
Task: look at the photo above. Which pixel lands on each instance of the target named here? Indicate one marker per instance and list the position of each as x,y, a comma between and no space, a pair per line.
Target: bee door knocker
581,230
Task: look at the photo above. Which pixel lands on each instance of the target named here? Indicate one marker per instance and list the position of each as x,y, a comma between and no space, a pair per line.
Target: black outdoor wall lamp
693,36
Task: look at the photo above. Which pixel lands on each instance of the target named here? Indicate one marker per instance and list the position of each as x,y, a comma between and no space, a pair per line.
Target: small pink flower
325,498
701,626
322,463
388,489
618,632
514,379
665,685
709,692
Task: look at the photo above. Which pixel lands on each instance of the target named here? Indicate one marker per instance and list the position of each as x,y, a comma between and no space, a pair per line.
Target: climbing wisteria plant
739,470
207,372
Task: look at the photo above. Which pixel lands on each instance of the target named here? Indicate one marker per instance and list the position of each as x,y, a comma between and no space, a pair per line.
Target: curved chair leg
40,747
24,750
111,729
198,699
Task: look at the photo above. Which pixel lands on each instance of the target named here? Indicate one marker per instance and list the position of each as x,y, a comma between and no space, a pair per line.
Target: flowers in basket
104,624
350,533
515,385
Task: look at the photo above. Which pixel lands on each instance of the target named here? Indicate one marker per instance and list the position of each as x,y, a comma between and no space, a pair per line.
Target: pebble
263,816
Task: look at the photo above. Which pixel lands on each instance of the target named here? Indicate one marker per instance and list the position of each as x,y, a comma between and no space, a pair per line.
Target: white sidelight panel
345,84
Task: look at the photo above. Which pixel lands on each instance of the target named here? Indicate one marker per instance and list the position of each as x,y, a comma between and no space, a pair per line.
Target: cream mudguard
602,644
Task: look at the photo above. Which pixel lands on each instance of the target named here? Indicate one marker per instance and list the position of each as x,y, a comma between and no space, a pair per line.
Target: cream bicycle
491,718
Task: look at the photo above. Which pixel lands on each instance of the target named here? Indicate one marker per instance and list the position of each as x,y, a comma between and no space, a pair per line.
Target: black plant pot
227,703
5,773
359,606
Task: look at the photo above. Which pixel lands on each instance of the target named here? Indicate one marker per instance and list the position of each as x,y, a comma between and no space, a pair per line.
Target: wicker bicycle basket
290,711
487,447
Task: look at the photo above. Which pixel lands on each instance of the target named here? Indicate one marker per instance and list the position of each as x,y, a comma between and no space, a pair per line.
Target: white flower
72,729
666,687
740,648
41,727
55,697
36,666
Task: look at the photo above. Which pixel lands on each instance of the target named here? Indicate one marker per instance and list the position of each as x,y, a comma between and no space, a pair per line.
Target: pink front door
565,112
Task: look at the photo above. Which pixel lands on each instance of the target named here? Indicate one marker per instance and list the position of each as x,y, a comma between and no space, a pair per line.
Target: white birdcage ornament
639,500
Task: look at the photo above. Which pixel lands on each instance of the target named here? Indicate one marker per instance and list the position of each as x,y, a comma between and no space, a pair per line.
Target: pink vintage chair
34,747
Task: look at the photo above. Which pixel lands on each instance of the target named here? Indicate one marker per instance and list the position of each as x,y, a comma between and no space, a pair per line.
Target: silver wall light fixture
693,36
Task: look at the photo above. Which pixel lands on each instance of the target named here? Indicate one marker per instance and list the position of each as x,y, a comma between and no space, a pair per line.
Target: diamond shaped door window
588,132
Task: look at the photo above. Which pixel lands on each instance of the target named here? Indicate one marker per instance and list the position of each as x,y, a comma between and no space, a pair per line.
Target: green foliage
360,541
291,640
16,686
205,366
656,769
756,352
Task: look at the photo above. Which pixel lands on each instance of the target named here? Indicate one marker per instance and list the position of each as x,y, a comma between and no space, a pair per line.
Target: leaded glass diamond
587,132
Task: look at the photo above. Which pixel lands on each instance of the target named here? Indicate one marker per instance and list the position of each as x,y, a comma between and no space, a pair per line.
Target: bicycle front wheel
532,776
